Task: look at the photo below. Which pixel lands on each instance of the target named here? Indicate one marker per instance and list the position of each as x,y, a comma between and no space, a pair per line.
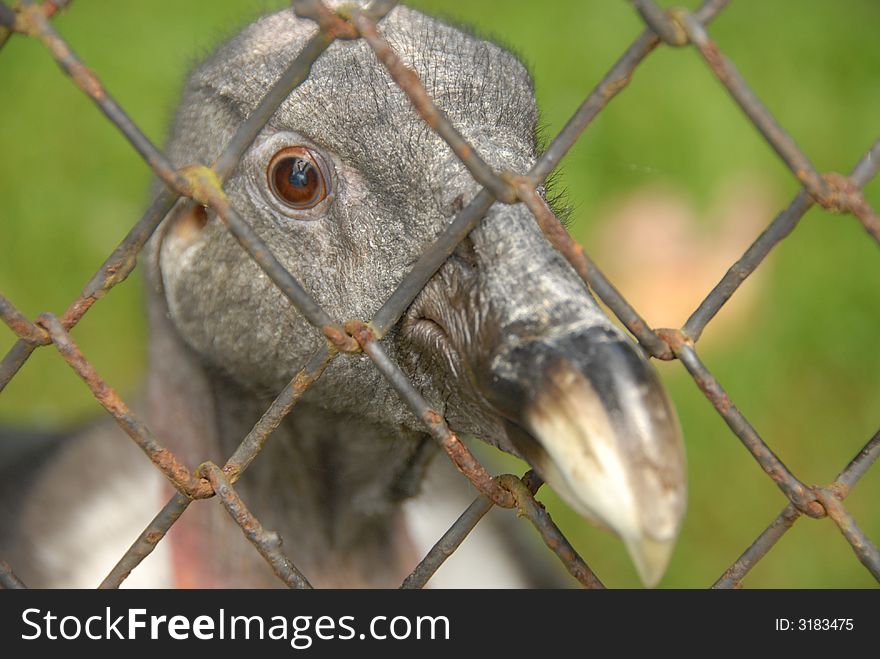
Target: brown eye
296,178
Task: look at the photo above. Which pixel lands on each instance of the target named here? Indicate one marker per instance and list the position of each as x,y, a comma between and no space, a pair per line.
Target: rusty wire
204,185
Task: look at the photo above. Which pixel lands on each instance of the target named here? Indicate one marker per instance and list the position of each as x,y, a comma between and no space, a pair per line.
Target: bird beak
588,412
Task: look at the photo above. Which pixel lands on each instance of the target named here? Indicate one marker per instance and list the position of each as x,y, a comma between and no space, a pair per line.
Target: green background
805,371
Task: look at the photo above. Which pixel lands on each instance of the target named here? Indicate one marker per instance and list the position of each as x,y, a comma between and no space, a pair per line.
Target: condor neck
330,485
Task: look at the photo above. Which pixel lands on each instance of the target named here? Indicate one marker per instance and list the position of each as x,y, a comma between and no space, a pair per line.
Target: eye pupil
299,173
296,178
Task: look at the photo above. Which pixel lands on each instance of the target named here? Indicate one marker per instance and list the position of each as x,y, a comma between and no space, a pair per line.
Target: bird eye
297,178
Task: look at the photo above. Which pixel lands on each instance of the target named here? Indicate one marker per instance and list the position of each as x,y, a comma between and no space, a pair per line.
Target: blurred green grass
806,372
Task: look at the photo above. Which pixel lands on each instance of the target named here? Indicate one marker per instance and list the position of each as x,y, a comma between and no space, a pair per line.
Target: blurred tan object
665,257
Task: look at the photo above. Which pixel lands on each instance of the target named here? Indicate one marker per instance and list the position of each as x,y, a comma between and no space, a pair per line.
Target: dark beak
587,410
577,398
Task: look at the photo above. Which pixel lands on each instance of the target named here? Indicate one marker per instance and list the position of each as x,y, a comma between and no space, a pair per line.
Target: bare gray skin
505,341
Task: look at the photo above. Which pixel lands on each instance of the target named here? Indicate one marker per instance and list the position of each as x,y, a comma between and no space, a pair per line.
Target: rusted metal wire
409,83
799,494
452,539
469,217
52,7
8,18
204,185
254,441
857,468
18,323
208,190
760,116
865,550
586,268
113,271
33,20
124,258
266,542
782,225
523,491
146,542
133,426
461,457
661,23
429,262
862,174
448,543
610,86
550,533
235,466
293,76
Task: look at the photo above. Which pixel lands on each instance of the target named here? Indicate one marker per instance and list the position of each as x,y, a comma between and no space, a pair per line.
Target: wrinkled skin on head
395,187
503,325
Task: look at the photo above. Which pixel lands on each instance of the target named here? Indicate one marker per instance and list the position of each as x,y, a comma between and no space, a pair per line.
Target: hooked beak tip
650,556
604,436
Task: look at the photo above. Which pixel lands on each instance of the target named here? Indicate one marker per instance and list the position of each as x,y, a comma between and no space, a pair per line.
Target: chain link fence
203,185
